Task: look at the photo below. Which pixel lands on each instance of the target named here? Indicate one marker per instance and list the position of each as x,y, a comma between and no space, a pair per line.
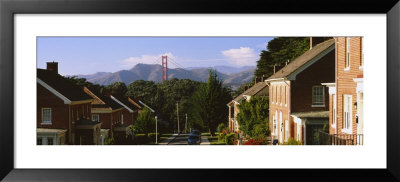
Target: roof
312,114
62,85
252,91
48,130
102,101
303,59
152,110
135,102
124,100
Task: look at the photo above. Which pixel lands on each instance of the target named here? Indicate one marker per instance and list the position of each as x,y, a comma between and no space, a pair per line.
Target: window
334,110
285,95
95,117
347,65
50,141
280,94
347,115
46,115
39,141
318,96
286,130
276,93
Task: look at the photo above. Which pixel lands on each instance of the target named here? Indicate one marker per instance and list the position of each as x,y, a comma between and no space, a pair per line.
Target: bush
230,138
221,137
259,141
220,127
292,141
260,131
109,141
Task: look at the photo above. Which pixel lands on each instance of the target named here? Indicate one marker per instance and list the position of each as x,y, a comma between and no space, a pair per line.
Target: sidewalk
204,140
168,140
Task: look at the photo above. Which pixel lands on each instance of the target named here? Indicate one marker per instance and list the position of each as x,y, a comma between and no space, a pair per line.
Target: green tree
279,50
145,122
254,116
209,103
117,88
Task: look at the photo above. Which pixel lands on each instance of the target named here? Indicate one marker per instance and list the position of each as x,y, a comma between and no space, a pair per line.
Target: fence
340,139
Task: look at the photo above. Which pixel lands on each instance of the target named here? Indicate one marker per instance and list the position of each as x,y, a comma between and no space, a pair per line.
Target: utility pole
156,129
186,123
177,114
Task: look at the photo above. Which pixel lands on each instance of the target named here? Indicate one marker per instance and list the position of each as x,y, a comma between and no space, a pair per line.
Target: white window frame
286,95
347,57
44,122
286,130
323,97
94,116
334,110
347,114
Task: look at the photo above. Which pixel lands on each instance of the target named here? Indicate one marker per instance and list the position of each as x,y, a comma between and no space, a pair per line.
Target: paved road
182,140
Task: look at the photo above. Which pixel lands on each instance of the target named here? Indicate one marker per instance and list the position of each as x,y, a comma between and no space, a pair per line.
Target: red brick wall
323,71
59,110
345,83
61,113
277,104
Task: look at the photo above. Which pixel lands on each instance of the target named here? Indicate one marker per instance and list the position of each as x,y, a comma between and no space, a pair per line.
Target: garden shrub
230,138
259,141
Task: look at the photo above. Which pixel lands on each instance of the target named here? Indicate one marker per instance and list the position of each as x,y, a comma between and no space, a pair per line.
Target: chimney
274,68
287,62
52,66
255,80
316,40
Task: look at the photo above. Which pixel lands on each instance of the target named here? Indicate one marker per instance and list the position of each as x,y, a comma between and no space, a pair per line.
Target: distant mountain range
231,76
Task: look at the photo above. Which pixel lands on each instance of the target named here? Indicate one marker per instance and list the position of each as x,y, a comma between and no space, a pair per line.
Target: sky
88,55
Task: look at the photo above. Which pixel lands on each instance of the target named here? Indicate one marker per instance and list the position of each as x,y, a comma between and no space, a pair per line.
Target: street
182,140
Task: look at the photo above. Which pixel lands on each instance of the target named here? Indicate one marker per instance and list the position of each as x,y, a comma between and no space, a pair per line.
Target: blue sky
87,55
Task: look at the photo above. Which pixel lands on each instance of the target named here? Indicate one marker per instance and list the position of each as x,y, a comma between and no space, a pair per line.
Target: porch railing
340,139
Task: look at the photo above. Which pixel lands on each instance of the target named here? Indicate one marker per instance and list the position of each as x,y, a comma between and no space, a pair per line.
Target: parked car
194,139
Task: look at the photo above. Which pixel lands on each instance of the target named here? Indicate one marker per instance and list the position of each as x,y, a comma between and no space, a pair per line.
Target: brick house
298,103
258,89
106,110
129,115
346,93
63,111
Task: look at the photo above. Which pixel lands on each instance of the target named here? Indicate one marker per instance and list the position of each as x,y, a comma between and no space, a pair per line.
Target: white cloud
148,59
244,56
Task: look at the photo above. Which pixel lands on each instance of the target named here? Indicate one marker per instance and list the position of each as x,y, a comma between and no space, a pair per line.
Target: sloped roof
102,101
303,59
124,100
312,114
252,91
62,85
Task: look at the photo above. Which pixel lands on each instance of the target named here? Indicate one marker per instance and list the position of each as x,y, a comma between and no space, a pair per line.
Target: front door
312,134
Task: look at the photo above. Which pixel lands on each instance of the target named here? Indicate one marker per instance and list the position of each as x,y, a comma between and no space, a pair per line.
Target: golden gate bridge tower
164,68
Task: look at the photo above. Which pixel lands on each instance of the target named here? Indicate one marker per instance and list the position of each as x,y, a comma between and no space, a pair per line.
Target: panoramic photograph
200,91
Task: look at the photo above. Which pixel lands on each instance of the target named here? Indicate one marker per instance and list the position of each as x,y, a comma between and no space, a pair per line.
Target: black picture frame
9,8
